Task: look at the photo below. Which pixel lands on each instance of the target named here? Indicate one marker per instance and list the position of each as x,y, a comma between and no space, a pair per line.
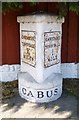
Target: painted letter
30,94
49,95
56,91
40,94
24,91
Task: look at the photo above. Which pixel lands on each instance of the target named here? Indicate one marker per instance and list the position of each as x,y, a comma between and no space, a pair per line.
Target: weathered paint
51,48
39,23
29,47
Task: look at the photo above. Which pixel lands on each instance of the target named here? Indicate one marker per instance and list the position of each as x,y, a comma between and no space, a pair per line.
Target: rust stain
29,47
51,48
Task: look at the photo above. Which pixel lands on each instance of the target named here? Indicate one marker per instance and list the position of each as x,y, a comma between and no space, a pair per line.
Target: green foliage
34,2
7,6
74,7
64,7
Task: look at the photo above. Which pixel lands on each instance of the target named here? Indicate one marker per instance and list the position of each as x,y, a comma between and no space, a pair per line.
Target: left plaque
29,47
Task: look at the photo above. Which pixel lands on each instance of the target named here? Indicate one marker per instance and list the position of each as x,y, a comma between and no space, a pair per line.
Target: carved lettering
51,48
40,94
56,91
24,91
29,47
30,94
49,93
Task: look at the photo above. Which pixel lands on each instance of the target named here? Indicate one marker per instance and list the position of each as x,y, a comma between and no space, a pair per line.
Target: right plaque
51,48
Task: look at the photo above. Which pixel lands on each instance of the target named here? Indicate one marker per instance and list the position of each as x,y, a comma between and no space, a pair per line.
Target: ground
16,107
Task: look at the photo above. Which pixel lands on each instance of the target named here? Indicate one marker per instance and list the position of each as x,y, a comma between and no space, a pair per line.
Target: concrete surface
49,90
16,107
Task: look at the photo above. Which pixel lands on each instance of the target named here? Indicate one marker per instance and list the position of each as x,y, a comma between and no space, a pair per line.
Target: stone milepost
40,79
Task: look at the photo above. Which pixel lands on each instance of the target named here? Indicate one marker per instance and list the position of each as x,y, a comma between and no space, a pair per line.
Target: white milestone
40,79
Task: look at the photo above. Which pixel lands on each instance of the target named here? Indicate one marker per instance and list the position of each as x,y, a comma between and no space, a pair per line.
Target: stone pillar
40,79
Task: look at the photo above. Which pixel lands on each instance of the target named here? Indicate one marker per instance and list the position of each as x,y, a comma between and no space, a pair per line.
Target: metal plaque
51,48
29,47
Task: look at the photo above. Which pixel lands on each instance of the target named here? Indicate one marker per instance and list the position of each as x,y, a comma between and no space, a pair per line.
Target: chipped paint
29,44
51,48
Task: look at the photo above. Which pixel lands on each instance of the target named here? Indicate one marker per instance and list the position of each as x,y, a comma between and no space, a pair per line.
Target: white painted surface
9,72
43,77
39,18
43,72
40,24
49,90
78,70
68,70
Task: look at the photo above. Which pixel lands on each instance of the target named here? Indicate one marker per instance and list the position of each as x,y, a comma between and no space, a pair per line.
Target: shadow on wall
64,107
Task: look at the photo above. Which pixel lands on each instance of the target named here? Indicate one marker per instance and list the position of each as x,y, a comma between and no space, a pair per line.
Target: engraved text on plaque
28,45
51,48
